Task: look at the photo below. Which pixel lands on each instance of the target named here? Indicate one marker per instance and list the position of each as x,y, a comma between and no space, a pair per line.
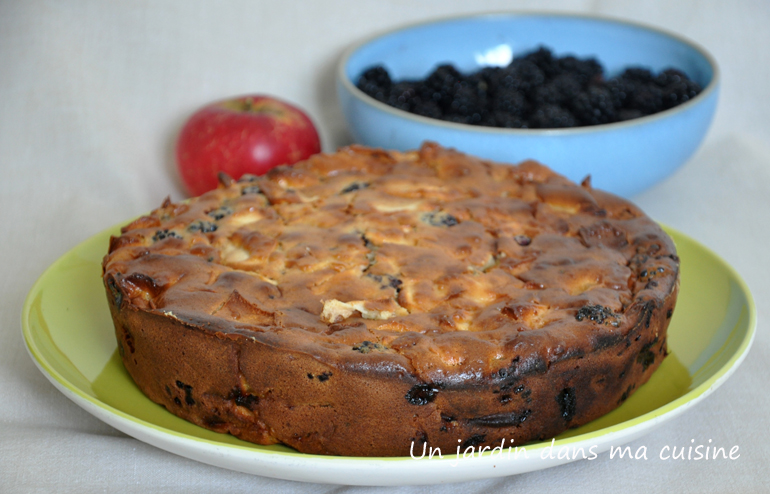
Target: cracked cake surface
358,302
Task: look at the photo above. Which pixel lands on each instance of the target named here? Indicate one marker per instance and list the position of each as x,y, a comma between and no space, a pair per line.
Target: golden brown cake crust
359,301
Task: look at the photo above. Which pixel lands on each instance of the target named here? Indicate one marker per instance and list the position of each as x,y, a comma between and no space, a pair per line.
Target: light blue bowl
624,158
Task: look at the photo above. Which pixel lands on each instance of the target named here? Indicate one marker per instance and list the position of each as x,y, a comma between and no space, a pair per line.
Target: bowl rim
707,91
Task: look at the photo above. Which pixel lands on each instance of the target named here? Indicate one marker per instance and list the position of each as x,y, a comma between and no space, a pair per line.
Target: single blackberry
375,82
465,101
547,94
422,90
401,95
440,85
377,75
521,74
444,76
637,74
442,82
680,92
559,90
510,101
587,71
621,90
545,61
594,106
552,117
670,76
647,98
529,74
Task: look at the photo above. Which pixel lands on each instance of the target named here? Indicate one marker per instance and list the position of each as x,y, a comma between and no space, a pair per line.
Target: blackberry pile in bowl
629,128
537,90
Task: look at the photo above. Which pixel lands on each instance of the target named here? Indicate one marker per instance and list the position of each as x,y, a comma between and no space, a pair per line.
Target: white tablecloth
93,93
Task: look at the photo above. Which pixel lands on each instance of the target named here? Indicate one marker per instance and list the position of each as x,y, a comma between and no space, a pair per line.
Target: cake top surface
430,260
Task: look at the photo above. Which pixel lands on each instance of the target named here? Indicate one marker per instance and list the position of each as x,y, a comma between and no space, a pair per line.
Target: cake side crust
267,396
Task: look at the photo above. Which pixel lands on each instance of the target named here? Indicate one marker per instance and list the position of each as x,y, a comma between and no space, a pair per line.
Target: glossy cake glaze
358,302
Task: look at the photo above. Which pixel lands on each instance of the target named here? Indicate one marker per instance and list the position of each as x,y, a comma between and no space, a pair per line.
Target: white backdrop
92,95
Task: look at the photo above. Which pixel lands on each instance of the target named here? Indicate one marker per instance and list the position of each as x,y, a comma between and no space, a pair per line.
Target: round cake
366,302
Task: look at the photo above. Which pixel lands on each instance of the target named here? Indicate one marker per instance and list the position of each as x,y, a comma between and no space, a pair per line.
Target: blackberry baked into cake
358,302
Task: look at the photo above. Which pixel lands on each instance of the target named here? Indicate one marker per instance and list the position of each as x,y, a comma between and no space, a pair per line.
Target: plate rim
633,427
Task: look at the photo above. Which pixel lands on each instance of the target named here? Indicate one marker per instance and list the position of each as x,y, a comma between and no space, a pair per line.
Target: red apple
249,134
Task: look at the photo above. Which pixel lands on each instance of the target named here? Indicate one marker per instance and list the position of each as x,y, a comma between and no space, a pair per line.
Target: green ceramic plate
69,334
